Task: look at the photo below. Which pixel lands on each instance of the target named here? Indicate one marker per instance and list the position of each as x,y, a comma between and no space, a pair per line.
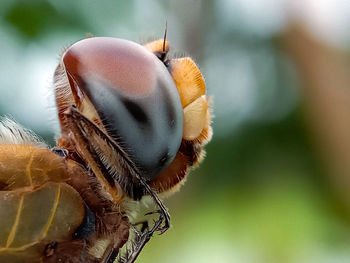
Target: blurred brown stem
325,76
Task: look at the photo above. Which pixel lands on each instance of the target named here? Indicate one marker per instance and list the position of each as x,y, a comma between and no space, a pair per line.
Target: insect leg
142,241
144,237
163,212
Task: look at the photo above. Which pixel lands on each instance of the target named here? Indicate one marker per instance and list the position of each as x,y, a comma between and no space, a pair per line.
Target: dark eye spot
163,159
169,108
135,110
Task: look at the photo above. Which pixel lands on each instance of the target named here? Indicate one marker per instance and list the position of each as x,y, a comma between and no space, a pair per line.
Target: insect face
129,94
134,96
136,117
133,122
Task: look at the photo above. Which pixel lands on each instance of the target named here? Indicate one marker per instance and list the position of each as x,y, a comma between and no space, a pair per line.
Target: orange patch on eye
157,46
195,118
188,79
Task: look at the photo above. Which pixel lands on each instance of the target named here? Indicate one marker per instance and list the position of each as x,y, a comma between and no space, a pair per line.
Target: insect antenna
165,33
164,53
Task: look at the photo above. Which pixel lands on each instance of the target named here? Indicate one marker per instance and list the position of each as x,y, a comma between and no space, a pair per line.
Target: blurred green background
274,186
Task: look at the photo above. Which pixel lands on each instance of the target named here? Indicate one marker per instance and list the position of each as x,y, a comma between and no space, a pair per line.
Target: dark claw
163,216
153,212
166,218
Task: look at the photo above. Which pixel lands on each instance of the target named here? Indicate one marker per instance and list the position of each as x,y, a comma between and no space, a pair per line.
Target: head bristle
165,33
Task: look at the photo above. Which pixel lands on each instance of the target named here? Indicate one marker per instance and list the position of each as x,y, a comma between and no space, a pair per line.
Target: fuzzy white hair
13,133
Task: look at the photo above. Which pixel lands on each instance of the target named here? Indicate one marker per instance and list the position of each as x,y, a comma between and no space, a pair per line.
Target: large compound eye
134,95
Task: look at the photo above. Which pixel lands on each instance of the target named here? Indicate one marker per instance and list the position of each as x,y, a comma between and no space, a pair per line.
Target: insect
133,122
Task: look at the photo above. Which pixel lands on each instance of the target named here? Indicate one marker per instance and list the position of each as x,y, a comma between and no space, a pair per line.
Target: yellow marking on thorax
14,249
44,231
29,170
12,234
53,212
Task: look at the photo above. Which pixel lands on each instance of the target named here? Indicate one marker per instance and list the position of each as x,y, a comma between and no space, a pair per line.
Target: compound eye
134,96
122,63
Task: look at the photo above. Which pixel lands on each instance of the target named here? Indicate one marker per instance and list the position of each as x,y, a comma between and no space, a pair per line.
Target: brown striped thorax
133,122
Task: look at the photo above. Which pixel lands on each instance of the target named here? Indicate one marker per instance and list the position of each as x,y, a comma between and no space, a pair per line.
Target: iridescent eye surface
134,95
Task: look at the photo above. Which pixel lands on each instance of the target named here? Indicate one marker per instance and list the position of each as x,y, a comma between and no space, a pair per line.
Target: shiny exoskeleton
133,121
45,203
